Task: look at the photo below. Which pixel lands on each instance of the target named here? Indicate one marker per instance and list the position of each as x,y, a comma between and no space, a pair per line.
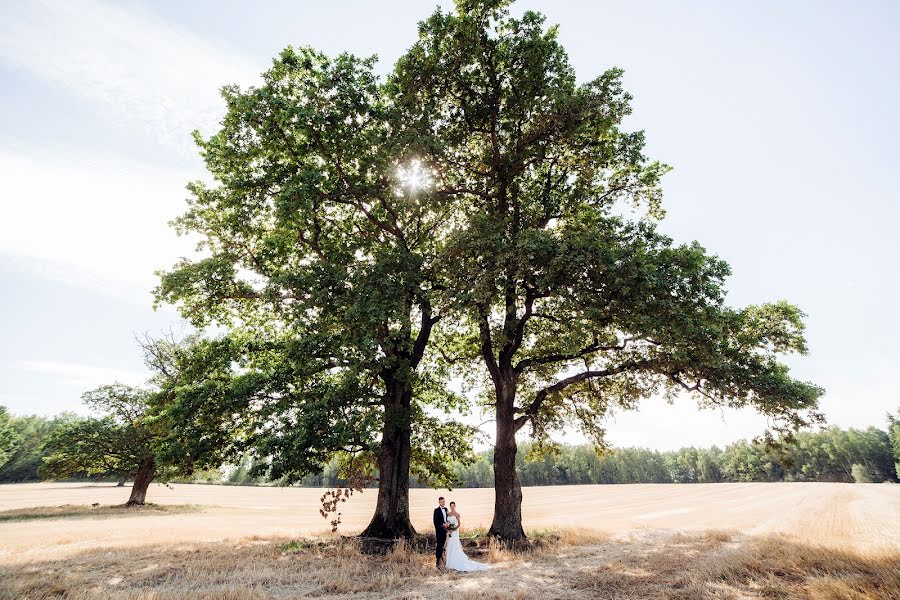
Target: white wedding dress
456,558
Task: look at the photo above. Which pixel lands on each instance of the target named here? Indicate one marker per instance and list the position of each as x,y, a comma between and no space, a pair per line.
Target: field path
862,516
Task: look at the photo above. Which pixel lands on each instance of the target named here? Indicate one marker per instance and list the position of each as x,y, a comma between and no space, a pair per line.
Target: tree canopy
571,300
118,442
322,263
480,204
90,447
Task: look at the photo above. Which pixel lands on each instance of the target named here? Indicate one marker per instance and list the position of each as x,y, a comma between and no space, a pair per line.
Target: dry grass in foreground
576,565
77,511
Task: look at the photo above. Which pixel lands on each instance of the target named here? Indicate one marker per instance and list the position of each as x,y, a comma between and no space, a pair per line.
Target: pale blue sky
780,119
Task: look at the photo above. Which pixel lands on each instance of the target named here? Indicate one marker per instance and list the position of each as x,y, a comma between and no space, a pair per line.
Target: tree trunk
122,479
507,523
391,519
142,479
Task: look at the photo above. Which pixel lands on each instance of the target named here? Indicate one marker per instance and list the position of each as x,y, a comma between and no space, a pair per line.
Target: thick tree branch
551,358
532,409
425,327
697,387
519,332
487,348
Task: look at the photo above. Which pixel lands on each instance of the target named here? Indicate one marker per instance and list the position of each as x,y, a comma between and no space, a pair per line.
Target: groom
440,531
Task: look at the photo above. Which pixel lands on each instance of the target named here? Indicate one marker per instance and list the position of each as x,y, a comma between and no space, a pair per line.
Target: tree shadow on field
87,486
84,511
660,565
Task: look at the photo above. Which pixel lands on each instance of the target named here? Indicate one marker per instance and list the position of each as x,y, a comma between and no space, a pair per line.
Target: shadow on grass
79,487
84,511
477,543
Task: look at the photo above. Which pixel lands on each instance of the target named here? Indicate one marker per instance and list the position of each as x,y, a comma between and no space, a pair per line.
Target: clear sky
780,119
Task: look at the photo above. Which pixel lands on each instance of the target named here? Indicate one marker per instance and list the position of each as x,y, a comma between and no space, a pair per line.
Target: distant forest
830,455
834,454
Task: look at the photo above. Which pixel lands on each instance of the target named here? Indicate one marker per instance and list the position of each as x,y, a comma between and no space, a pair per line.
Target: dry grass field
717,541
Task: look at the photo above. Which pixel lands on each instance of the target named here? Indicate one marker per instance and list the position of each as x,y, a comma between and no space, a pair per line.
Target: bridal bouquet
452,527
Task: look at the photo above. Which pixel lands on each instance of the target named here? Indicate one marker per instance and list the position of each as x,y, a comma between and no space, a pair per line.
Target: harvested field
723,541
860,516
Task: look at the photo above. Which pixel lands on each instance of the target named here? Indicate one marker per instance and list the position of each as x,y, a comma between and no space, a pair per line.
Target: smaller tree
117,443
133,435
9,439
84,447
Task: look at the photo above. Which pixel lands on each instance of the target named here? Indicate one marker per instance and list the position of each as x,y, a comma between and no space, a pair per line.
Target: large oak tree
321,251
573,300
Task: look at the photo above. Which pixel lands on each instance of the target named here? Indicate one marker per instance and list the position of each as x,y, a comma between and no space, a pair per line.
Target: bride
456,558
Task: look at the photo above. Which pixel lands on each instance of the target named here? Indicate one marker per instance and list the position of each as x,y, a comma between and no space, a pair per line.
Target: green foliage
87,448
830,455
861,474
209,475
33,432
569,301
136,429
322,262
115,444
709,465
198,413
240,474
9,439
331,264
894,433
682,465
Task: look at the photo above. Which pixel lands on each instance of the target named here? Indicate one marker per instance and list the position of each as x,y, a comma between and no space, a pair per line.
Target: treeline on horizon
833,454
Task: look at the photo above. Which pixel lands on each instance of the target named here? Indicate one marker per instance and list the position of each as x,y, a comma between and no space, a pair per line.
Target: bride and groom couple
449,548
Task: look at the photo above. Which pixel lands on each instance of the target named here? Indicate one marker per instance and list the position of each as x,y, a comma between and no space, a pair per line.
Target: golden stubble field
790,540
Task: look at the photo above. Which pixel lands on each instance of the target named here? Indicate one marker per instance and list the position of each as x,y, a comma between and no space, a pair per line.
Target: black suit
440,534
